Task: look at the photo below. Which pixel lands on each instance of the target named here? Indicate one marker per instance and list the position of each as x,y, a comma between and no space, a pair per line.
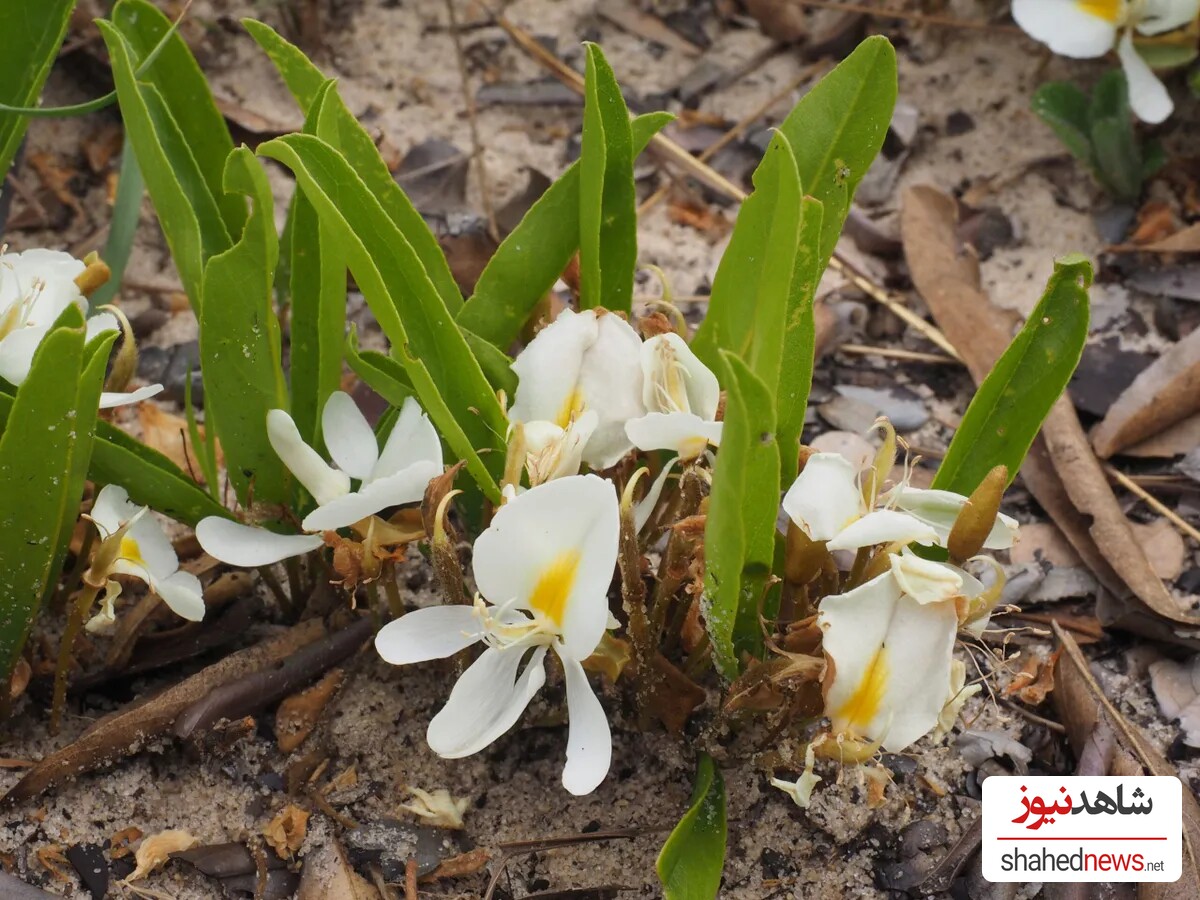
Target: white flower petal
434,632
405,486
825,497
413,439
684,433
112,509
1148,97
610,382
675,380
645,506
883,526
16,353
145,544
589,741
111,399
324,482
182,592
245,545
1161,16
552,452
924,580
1070,28
891,662
100,323
486,702
549,367
553,549
348,436
940,509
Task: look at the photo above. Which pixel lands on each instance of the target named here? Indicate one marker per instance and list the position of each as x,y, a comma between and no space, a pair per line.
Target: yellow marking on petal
1108,10
572,406
864,703
131,551
554,586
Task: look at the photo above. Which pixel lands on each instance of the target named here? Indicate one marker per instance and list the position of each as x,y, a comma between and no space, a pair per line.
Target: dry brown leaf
1043,541
1061,470
298,714
168,434
1174,441
1186,240
21,674
1163,546
676,696
1155,221
1164,393
286,832
780,20
1034,681
626,16
1176,687
157,849
328,875
457,866
878,778
52,859
1081,703
119,842
125,732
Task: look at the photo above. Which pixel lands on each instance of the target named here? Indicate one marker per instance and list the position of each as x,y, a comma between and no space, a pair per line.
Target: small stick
1033,717
410,879
899,353
473,123
1153,502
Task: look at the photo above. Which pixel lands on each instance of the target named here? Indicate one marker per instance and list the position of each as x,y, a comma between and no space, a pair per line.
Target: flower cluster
1084,29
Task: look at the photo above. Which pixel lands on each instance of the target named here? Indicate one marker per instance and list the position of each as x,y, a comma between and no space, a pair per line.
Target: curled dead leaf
1164,393
1035,680
286,832
298,714
437,807
157,849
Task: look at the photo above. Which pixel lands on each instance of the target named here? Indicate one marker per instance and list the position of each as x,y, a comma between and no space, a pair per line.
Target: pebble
169,366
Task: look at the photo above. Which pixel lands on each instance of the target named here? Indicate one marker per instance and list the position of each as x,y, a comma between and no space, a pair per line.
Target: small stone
902,406
389,844
88,860
923,835
959,122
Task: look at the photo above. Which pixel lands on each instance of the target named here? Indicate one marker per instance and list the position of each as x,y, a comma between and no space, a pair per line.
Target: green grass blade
528,262
690,863
1016,396
240,355
30,35
607,197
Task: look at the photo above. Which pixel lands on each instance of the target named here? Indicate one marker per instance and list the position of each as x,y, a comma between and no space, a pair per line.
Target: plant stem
79,611
392,588
292,565
275,587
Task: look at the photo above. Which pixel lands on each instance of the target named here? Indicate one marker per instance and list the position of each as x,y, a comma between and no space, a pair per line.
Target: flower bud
978,516
94,277
125,364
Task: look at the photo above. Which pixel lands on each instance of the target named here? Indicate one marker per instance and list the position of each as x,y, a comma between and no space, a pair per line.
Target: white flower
581,362
36,287
801,789
959,695
826,502
681,397
890,643
544,566
132,543
555,452
939,509
396,475
1084,29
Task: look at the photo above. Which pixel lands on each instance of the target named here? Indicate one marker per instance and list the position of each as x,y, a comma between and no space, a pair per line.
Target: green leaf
44,453
1066,109
1008,409
127,209
30,35
799,340
690,863
205,444
528,262
317,278
240,342
837,128
739,537
150,477
445,374
187,211
343,132
749,304
495,363
382,374
185,92
607,197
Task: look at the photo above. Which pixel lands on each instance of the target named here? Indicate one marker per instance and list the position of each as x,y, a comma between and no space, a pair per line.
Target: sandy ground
396,70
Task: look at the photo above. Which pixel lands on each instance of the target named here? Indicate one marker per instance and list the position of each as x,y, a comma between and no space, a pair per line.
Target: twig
919,18
698,169
1033,717
473,123
1153,502
899,353
410,879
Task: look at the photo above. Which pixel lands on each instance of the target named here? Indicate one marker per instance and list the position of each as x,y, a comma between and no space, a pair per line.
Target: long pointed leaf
690,863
